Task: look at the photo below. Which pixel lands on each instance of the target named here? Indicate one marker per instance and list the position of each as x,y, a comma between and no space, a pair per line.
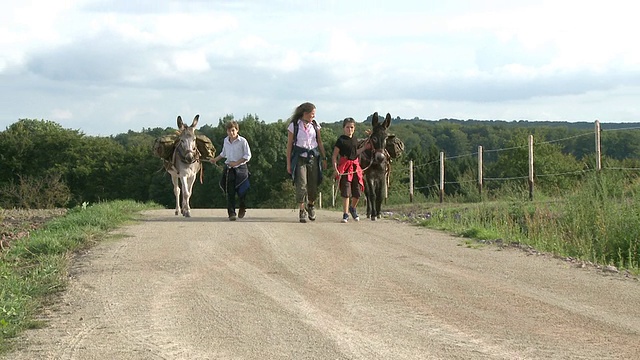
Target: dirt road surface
268,287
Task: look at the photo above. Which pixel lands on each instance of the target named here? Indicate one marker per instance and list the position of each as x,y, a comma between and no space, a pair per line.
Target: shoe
303,216
345,218
242,212
232,218
354,213
312,212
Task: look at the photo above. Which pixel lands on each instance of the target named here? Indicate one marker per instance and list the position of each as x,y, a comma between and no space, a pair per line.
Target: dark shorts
349,188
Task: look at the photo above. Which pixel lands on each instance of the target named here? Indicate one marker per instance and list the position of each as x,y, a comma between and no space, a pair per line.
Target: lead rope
198,155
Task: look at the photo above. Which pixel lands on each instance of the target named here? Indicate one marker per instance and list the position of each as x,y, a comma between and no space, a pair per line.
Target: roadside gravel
268,287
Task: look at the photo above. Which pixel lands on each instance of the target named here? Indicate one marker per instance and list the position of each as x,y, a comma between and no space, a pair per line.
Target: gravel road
268,287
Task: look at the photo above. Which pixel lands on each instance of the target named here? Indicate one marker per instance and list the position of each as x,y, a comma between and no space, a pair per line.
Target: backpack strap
295,131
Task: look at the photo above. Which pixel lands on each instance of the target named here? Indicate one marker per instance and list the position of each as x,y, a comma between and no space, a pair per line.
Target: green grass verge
598,222
36,267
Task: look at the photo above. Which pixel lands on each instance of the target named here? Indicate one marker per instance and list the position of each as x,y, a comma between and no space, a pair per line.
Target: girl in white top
304,151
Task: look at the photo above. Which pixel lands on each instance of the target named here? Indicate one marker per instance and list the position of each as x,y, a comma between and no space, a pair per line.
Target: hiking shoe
232,218
303,216
312,212
345,218
354,213
242,212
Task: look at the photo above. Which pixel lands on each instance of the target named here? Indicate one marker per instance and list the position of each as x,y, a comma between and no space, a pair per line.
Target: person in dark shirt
347,169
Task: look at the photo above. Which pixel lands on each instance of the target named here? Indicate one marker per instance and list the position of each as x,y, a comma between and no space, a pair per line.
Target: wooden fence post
441,177
480,171
333,194
410,181
530,167
598,153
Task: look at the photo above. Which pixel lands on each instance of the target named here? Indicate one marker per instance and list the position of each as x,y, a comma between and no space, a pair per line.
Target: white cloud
61,114
182,29
109,61
343,49
191,61
253,44
290,61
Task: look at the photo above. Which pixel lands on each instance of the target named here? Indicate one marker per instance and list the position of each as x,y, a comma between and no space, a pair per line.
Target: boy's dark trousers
230,180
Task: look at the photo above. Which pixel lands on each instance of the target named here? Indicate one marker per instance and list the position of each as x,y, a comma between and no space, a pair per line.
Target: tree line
45,165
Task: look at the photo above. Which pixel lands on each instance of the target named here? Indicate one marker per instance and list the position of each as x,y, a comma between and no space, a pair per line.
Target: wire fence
436,185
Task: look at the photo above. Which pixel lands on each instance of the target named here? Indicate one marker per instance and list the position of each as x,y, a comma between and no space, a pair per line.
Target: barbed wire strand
629,128
405,171
567,138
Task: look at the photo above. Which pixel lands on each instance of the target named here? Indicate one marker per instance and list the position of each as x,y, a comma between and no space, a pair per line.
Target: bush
47,192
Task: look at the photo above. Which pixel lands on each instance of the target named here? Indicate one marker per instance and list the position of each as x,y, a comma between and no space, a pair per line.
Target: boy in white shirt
235,176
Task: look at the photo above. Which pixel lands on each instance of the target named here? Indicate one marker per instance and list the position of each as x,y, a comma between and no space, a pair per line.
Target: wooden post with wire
333,194
530,167
441,177
480,170
410,181
387,180
598,149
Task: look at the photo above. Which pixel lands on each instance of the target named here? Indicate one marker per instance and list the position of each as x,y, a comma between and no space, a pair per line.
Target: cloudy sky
106,67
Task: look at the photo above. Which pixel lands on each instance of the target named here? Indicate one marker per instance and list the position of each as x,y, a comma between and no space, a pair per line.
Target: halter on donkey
185,165
377,166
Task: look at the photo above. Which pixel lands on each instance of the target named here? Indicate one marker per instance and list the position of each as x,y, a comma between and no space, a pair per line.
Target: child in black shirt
348,171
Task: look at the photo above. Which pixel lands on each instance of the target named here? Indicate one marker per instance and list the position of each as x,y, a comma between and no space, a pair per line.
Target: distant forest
46,165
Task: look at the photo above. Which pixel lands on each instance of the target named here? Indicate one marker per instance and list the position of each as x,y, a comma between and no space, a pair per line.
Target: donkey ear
180,123
387,121
374,119
195,121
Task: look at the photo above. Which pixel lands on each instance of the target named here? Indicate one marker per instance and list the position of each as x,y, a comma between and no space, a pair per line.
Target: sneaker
312,212
354,213
242,212
232,218
345,218
303,216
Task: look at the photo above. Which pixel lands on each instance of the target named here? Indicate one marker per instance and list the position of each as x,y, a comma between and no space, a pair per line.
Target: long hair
300,110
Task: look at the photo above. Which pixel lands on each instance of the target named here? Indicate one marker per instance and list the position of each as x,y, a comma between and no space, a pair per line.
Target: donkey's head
186,147
378,137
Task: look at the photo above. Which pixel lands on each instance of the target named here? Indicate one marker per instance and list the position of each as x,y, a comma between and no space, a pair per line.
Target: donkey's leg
379,197
186,196
373,199
183,193
367,196
176,191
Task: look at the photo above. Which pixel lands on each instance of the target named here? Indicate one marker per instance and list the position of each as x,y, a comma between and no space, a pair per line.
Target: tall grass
598,222
602,221
35,267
